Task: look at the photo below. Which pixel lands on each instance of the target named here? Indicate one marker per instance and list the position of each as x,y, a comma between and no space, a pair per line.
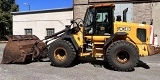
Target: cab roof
103,5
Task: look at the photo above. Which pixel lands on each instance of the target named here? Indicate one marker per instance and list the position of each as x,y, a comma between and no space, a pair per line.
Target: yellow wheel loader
118,43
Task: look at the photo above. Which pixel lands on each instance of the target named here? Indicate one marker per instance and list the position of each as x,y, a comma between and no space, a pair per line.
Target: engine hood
136,31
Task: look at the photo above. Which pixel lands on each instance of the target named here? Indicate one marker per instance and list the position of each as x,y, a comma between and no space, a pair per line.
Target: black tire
64,49
122,56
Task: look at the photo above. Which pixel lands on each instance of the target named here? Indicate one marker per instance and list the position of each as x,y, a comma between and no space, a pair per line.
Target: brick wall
80,6
142,12
80,1
79,11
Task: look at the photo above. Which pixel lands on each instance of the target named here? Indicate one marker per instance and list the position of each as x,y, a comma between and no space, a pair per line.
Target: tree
6,7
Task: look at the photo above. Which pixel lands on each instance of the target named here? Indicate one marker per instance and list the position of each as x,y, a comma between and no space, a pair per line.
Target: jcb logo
123,29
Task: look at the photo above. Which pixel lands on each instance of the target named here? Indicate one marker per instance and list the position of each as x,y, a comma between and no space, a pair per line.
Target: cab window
102,22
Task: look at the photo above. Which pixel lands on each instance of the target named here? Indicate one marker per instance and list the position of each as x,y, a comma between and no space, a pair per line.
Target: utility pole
28,5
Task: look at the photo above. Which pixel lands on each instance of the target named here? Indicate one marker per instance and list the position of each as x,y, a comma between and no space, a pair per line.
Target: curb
3,41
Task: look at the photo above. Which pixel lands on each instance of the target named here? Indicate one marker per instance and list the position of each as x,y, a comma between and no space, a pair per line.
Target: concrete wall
119,10
142,12
156,19
40,21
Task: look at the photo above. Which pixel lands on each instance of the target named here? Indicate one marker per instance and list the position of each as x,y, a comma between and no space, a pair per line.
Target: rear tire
122,56
62,53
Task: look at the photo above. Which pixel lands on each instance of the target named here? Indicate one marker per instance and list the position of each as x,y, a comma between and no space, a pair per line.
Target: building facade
41,23
156,19
46,22
138,10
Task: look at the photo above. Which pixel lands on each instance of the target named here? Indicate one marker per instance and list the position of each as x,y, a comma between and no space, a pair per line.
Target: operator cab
99,20
98,27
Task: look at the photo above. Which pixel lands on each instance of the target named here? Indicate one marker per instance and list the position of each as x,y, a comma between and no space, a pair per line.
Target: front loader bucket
19,49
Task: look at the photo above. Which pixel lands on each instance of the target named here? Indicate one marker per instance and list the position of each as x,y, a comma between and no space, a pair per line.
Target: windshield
88,18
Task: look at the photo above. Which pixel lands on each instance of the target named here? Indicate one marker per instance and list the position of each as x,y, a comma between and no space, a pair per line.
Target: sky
43,4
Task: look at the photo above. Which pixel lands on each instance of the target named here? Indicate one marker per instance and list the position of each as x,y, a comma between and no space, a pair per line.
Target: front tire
122,56
62,53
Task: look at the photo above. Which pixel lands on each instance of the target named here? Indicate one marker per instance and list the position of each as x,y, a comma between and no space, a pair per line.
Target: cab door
99,23
98,28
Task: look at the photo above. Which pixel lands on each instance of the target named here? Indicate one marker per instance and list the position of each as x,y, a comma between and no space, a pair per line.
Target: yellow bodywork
79,38
132,32
143,47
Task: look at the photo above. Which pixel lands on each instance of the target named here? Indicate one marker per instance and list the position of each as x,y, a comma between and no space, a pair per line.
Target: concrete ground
147,69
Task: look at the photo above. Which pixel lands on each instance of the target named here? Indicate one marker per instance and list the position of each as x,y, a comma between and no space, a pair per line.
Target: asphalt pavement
147,69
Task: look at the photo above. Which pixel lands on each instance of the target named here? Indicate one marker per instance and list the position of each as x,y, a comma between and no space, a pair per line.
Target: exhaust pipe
125,15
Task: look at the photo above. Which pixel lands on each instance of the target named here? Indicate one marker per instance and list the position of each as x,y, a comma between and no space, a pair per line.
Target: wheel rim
60,54
122,57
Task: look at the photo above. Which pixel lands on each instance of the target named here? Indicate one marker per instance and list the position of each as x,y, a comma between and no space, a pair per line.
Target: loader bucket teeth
21,49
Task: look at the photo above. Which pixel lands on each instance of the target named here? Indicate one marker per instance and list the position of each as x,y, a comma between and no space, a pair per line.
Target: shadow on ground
143,65
92,61
103,64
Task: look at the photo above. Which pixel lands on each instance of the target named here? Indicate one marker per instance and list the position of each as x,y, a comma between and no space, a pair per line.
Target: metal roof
42,11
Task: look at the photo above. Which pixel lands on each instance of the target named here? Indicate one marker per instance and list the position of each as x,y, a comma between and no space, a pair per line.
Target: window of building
28,31
50,31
